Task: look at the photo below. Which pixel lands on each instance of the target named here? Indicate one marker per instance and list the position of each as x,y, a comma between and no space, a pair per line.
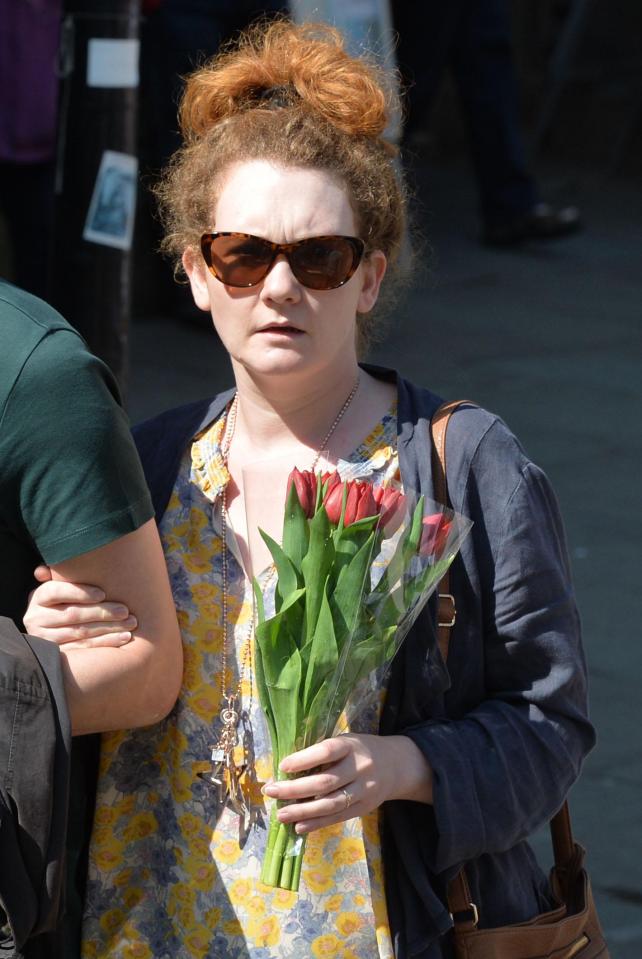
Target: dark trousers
471,38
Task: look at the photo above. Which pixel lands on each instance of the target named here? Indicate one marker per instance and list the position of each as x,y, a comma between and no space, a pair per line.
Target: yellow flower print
206,631
205,702
370,825
227,851
313,855
255,906
359,900
89,949
319,878
333,902
140,826
324,946
203,874
348,852
136,950
284,899
347,953
109,856
112,920
232,927
197,560
348,922
182,782
264,931
104,816
123,878
181,894
239,891
125,806
207,595
198,521
191,825
132,896
213,918
198,941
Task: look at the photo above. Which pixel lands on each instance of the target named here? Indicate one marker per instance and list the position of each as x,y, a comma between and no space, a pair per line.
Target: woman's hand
358,772
76,615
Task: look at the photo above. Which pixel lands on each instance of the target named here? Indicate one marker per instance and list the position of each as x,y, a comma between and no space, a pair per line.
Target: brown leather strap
446,608
463,910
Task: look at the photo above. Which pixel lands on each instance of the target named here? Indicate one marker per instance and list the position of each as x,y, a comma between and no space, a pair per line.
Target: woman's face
279,326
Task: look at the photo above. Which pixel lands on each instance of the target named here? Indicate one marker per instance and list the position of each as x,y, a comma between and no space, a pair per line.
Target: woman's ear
374,268
196,274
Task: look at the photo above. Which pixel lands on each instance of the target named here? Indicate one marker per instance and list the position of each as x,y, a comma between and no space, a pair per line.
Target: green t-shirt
70,477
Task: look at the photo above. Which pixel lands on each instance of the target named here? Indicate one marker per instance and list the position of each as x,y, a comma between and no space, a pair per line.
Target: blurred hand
351,775
75,615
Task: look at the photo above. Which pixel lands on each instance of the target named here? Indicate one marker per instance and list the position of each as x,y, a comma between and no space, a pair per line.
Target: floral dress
171,874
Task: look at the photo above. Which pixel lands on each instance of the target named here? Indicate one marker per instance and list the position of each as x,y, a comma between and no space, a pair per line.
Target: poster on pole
367,27
110,219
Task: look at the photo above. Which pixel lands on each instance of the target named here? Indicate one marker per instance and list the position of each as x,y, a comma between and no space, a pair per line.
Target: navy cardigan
505,727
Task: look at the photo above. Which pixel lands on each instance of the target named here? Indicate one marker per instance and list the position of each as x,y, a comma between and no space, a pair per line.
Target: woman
285,211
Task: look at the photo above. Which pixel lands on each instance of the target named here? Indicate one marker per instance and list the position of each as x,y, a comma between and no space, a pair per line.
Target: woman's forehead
257,194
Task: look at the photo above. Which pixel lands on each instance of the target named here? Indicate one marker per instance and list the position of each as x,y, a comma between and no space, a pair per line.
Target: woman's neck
291,413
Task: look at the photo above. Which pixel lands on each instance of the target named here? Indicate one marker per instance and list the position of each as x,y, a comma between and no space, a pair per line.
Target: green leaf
323,654
287,579
295,529
315,567
347,596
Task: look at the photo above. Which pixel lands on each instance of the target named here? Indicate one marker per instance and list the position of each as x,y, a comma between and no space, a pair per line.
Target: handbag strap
460,904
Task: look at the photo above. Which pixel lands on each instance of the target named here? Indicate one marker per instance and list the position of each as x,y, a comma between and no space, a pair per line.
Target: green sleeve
70,458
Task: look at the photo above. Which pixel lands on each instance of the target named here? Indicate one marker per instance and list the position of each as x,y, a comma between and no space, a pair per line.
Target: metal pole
96,178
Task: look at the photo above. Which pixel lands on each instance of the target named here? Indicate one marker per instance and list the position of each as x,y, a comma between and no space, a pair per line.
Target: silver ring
348,798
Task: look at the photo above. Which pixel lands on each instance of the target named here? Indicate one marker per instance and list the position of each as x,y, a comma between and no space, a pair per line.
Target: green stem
269,849
282,865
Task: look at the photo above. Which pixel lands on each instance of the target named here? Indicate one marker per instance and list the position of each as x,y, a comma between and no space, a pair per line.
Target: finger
106,615
318,784
66,635
55,592
42,574
337,806
107,639
327,751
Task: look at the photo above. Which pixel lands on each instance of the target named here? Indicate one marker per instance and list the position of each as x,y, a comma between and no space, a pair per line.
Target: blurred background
522,144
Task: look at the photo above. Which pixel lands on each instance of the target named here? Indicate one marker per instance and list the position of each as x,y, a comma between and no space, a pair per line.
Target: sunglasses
318,263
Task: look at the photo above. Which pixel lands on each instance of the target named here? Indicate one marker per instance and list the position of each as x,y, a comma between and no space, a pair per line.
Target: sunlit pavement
550,337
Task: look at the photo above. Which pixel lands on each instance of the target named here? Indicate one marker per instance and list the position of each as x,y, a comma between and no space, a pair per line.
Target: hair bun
292,65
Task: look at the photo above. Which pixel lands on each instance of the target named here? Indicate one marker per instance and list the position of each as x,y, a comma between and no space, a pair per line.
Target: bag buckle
466,915
442,612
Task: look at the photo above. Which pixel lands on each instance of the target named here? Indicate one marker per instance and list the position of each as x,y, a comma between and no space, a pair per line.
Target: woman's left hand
358,772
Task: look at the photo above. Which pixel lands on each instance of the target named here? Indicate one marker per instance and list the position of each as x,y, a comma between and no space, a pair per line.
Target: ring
348,798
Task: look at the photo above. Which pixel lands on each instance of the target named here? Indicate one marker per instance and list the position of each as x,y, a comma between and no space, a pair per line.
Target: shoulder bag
572,929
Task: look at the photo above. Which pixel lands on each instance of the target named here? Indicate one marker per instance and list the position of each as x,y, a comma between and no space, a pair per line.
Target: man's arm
135,684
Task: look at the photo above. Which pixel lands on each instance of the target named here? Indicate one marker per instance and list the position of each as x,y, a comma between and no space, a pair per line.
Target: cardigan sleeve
505,757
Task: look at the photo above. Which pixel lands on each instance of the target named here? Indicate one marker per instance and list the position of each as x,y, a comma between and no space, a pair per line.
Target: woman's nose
281,284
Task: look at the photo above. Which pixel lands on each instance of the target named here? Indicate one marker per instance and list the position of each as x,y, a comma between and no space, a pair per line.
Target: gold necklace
225,775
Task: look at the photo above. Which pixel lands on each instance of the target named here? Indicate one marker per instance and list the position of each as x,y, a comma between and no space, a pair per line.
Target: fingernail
121,611
270,789
130,622
123,638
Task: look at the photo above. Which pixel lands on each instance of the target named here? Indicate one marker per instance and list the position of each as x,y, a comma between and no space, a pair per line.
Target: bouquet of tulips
355,566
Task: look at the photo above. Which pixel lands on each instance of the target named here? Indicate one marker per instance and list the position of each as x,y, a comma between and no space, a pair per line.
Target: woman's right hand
76,615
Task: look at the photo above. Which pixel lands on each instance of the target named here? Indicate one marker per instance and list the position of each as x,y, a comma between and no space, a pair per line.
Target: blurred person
72,495
472,38
29,38
286,212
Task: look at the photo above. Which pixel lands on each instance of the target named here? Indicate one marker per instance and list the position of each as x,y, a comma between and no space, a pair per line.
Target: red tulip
434,535
390,505
305,484
359,502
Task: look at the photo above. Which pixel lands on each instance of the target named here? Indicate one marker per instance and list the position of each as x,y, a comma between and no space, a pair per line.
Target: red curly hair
290,94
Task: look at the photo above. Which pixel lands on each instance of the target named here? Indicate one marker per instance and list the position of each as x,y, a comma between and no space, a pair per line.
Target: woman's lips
284,330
